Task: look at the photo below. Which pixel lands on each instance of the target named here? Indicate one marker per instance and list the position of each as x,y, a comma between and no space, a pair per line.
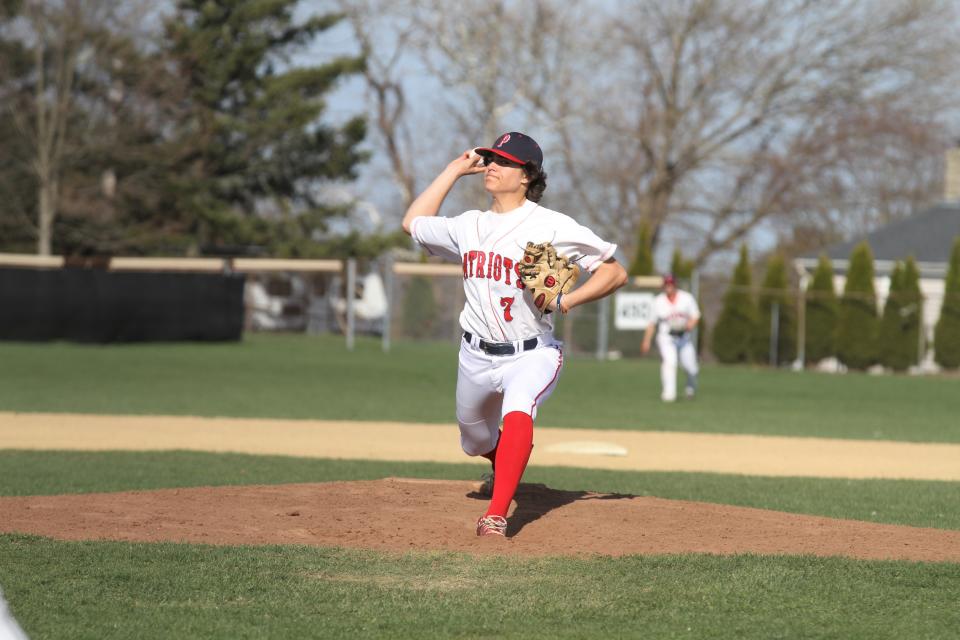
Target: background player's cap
516,147
668,278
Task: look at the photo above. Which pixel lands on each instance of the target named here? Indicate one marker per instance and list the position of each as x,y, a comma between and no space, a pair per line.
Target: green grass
305,377
118,590
909,502
115,590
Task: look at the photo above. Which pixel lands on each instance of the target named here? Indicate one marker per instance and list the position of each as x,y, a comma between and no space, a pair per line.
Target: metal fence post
350,297
801,325
388,285
921,337
603,330
774,333
695,292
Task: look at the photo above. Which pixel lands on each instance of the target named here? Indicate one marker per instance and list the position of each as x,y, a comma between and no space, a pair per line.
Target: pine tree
899,346
857,324
946,340
681,268
642,264
891,348
775,291
821,314
734,334
251,147
911,312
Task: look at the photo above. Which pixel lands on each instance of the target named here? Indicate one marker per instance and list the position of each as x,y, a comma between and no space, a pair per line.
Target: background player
675,314
509,360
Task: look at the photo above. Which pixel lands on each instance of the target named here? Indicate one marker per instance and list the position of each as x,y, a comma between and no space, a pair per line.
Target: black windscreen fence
94,305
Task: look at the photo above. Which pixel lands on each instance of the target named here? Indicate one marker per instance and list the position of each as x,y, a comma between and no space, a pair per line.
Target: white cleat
492,526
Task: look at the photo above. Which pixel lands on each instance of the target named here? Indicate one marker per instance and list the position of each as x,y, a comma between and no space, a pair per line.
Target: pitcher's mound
404,514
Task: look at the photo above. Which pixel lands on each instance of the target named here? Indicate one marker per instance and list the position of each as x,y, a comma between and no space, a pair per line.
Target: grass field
300,377
111,590
117,590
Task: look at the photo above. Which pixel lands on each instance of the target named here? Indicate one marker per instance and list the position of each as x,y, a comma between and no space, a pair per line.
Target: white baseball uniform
675,342
490,246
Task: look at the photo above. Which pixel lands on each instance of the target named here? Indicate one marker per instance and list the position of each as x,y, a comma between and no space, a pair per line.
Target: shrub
734,333
890,347
912,312
857,323
946,337
775,291
681,267
642,264
821,314
902,313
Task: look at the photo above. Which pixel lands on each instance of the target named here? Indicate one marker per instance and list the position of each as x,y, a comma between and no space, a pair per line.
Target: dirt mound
404,514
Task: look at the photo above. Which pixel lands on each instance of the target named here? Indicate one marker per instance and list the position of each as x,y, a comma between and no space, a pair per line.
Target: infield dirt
397,514
408,514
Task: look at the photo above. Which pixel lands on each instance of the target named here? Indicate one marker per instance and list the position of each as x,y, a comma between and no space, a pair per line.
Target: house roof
927,236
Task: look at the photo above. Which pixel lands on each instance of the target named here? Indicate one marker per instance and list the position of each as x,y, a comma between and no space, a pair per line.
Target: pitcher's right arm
428,203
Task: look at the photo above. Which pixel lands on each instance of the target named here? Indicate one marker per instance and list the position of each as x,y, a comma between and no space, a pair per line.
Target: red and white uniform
674,342
489,247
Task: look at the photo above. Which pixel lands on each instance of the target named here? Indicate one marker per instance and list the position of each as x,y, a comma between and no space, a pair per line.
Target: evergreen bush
891,347
642,264
821,314
857,324
734,334
946,337
681,268
911,310
775,291
899,346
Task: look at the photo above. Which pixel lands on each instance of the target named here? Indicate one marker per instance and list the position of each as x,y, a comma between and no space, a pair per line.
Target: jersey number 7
506,303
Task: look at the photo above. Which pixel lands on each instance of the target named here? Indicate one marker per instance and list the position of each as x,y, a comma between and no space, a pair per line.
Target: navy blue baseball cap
516,147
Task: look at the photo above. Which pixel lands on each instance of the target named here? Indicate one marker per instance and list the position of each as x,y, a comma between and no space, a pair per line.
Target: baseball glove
546,274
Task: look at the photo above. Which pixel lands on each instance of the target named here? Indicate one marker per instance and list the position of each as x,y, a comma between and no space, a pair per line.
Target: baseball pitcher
520,264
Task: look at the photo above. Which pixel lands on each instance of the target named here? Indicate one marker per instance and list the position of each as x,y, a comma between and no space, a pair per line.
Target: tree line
129,131
849,327
207,128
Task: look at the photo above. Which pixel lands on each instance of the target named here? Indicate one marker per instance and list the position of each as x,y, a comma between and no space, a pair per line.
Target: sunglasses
500,160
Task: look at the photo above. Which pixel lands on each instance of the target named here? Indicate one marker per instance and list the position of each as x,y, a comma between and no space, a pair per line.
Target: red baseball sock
513,452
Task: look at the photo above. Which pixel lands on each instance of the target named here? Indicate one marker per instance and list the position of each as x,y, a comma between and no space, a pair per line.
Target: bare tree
718,116
48,96
704,119
383,33
58,46
446,73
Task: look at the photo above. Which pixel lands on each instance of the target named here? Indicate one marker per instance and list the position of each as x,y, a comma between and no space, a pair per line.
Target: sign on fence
634,310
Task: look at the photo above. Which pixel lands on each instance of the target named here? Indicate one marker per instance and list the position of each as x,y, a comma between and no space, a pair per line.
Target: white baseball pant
672,349
489,387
